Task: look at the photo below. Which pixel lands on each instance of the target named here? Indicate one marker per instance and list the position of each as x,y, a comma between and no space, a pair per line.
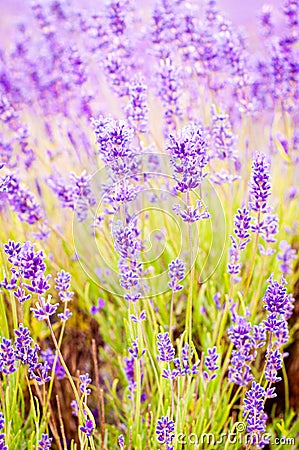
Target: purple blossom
287,255
7,357
22,201
2,421
169,91
240,334
85,380
223,140
116,145
211,363
176,274
87,428
259,186
45,442
121,441
165,430
76,195
192,214
242,227
142,316
95,309
183,365
188,157
44,309
66,315
254,412
276,298
273,365
165,347
49,357
2,435
137,108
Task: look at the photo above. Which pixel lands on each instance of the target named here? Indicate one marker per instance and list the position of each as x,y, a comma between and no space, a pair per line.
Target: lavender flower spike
45,442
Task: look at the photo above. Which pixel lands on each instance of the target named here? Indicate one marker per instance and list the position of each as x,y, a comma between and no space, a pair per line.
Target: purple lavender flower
165,430
192,214
2,421
95,309
44,309
273,364
223,140
22,201
116,147
130,366
87,428
2,435
276,298
240,334
259,187
241,230
139,319
183,364
254,411
76,195
216,299
286,256
242,227
66,315
188,157
176,274
165,347
7,357
210,363
45,442
49,357
121,441
85,380
170,83
137,108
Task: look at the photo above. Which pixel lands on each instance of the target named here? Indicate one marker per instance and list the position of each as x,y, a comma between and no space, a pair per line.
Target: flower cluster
246,340
176,274
49,357
21,199
211,364
259,187
239,243
45,442
256,418
137,108
287,255
76,195
279,306
134,358
188,157
25,350
28,270
165,431
182,364
2,435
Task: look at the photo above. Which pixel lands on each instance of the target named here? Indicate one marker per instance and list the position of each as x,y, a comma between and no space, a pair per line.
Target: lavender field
149,287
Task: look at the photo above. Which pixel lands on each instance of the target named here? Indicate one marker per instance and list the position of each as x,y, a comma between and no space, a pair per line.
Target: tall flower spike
188,157
259,186
287,255
210,363
165,347
137,108
254,413
45,442
165,430
176,274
